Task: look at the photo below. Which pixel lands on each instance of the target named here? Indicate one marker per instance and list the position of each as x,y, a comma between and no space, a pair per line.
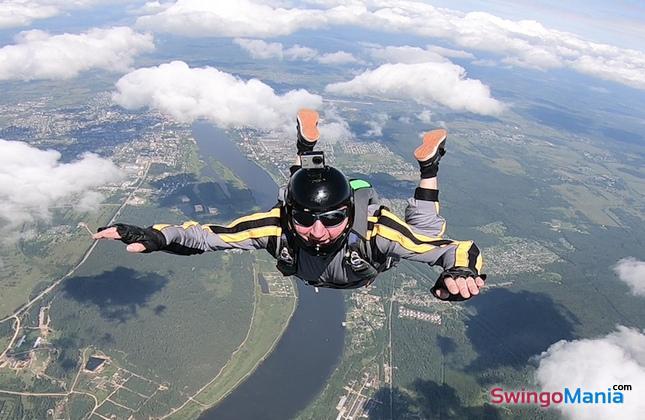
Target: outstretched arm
461,260
246,233
138,239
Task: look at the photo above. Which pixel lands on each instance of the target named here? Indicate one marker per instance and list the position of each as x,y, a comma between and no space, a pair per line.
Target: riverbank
298,368
295,371
270,314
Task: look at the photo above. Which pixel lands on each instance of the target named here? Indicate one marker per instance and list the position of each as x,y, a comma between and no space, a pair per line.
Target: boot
308,133
430,152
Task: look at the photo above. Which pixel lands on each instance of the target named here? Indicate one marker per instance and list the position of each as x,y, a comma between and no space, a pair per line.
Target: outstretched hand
112,232
461,286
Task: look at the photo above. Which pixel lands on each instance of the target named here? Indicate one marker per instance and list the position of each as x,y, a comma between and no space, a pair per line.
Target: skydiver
330,231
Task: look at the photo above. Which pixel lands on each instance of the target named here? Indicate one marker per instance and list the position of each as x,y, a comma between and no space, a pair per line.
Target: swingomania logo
613,395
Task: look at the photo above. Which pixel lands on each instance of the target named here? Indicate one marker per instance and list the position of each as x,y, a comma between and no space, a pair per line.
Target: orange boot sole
432,141
308,125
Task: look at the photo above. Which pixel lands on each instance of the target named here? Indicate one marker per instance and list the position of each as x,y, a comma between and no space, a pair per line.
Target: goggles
328,219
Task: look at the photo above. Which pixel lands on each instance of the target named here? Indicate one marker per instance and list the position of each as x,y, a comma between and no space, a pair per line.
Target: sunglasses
328,218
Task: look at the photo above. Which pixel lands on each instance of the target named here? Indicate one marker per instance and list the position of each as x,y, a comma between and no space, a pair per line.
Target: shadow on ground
118,293
427,400
446,345
509,328
227,200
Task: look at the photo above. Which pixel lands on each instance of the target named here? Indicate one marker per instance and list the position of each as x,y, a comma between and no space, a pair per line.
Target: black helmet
319,190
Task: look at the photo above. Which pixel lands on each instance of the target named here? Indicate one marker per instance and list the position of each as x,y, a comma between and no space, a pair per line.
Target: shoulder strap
285,250
363,195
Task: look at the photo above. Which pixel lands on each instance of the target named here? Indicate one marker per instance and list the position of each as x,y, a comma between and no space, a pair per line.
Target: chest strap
358,256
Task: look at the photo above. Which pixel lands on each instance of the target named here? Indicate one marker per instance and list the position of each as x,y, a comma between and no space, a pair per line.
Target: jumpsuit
417,238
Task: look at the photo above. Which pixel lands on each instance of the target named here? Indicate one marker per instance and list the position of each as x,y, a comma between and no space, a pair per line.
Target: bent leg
307,129
422,213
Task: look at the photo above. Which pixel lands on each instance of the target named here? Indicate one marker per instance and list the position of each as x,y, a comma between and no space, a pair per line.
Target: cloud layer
262,50
595,365
632,272
412,55
33,180
522,43
333,127
241,18
15,13
189,94
376,125
39,55
426,83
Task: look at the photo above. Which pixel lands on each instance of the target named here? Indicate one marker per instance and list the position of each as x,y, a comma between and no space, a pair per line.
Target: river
311,346
215,143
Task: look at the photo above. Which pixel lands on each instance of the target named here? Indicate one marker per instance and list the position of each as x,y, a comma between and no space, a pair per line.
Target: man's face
320,228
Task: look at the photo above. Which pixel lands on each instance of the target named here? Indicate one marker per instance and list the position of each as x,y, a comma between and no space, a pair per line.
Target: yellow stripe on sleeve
398,237
461,254
480,263
255,216
419,236
251,234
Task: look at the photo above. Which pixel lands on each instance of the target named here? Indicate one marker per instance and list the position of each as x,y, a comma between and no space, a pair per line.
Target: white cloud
425,116
333,127
485,63
406,54
376,125
259,49
189,94
33,180
426,83
19,13
520,43
338,57
240,18
298,52
152,7
622,66
89,201
595,365
14,13
632,271
39,55
263,50
449,52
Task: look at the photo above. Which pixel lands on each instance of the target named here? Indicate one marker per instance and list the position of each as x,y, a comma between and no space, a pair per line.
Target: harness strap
283,251
363,194
359,254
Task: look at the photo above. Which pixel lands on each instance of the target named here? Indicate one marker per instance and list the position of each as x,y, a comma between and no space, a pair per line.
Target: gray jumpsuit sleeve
420,238
246,233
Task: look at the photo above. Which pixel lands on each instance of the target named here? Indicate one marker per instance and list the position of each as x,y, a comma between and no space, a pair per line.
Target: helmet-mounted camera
312,160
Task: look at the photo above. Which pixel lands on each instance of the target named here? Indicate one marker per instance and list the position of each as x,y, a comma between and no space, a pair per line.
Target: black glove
151,238
454,273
